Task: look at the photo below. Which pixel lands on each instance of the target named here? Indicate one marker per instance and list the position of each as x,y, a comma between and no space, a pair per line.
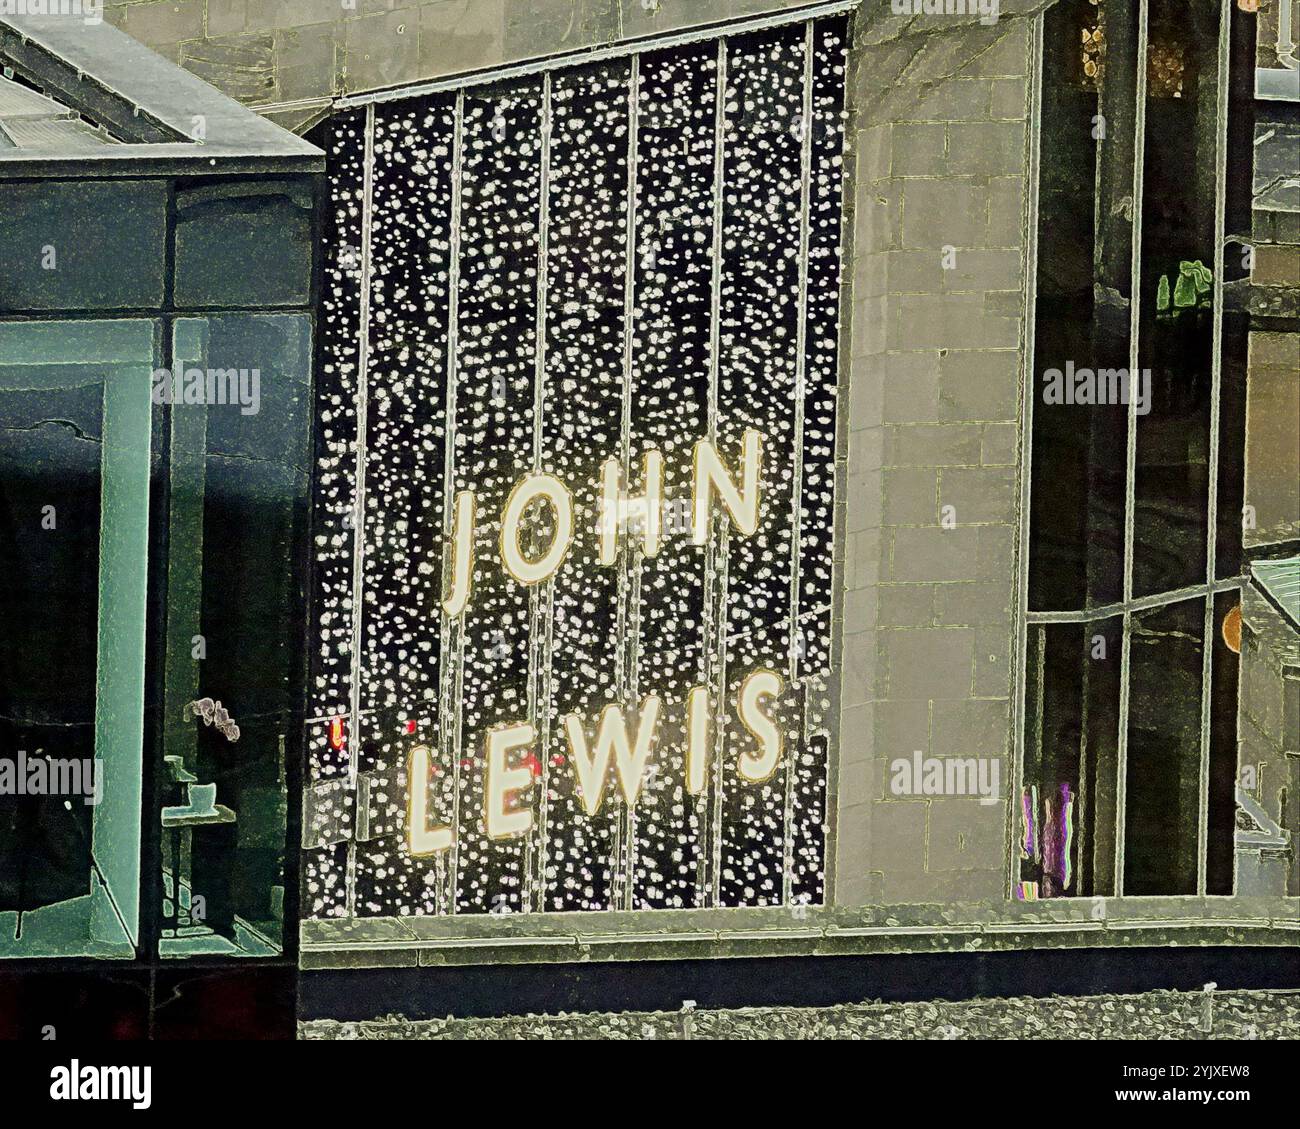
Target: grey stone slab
266,15
933,445
1010,100
870,317
1006,207
910,391
164,22
929,663
382,50
897,838
910,496
986,148
966,834
918,149
994,645
953,321
995,557
226,17
954,100
1007,56
904,605
979,494
902,727
975,603
979,384
239,66
459,37
999,444
984,270
916,272
942,212
933,554
973,727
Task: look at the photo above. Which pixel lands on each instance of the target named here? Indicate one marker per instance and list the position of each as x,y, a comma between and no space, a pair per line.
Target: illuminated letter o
526,491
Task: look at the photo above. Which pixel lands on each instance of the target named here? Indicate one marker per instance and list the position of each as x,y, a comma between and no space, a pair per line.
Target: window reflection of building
1129,745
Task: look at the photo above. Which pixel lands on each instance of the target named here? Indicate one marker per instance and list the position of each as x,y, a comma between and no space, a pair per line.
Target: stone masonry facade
940,131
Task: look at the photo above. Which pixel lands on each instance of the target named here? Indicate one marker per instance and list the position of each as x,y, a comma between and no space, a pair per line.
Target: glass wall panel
1174,388
239,480
82,245
1222,799
1082,313
74,498
1162,784
243,243
1067,806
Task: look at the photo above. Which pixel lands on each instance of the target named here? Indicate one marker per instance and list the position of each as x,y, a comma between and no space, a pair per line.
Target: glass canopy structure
155,360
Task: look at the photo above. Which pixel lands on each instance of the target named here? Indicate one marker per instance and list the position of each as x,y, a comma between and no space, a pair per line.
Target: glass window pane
1082,313
82,245
1162,784
1067,805
1176,317
1220,845
243,243
238,492
74,492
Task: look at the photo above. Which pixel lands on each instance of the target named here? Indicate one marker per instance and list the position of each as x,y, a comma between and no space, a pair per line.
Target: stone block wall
935,301
268,52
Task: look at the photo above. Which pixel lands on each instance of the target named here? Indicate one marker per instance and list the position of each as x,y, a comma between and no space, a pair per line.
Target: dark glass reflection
1082,312
1162,785
1067,806
1176,316
50,481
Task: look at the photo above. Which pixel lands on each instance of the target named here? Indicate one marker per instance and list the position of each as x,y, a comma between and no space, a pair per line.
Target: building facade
791,478
1011,716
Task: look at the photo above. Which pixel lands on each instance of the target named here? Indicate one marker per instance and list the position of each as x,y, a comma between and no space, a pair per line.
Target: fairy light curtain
533,277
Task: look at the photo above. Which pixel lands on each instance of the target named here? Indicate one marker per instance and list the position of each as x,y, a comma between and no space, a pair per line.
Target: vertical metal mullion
540,598
713,833
543,277
800,380
1027,392
1216,379
452,641
719,167
359,515
363,406
626,643
720,727
1130,470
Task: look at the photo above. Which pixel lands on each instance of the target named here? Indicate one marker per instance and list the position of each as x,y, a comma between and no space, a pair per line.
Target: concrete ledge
673,935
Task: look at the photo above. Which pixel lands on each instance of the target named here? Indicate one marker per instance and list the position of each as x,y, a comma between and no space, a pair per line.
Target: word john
709,476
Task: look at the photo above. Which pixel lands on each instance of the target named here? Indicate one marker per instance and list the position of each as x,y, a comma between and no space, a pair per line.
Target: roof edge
136,93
